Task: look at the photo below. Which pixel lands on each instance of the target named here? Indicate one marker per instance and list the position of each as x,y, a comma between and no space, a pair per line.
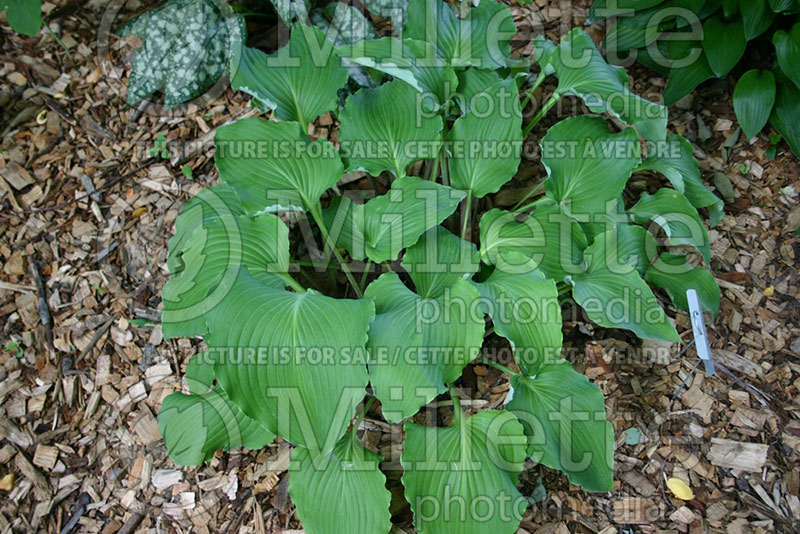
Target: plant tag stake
699,330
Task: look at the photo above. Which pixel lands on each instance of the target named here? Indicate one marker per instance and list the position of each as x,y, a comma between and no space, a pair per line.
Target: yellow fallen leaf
138,212
7,482
680,489
769,291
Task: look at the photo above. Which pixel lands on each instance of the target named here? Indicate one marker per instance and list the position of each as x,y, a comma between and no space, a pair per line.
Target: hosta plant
422,289
24,16
694,41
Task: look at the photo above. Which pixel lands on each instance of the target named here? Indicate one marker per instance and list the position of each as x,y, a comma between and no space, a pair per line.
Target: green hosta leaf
603,9
753,99
274,166
784,5
486,142
417,345
672,211
215,250
462,479
583,72
564,417
680,167
186,48
343,491
481,39
613,295
412,61
208,204
683,80
196,425
588,166
294,362
542,53
438,260
786,115
24,16
525,310
299,81
383,129
787,47
547,240
757,17
387,224
625,244
472,89
723,44
673,274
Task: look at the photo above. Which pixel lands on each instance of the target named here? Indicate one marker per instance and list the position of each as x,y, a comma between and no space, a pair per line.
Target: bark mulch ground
86,217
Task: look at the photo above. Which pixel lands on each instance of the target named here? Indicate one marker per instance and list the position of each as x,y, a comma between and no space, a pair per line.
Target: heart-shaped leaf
438,260
480,39
24,16
486,142
675,275
299,82
343,491
196,425
418,345
757,17
462,479
546,240
671,210
582,71
186,48
525,310
274,166
294,362
680,167
786,114
564,417
387,224
684,79
753,99
587,165
383,129
723,44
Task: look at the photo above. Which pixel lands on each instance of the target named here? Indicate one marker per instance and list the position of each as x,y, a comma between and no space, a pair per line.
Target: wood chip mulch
86,216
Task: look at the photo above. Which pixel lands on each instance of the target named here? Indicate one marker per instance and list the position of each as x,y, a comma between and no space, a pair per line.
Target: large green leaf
481,39
588,165
387,224
724,44
676,216
675,275
462,479
683,80
602,9
24,16
216,249
680,167
786,115
546,240
418,345
486,142
186,48
525,310
274,166
197,424
564,417
757,17
415,62
294,362
753,99
625,244
343,491
438,260
383,129
787,48
614,295
582,71
299,82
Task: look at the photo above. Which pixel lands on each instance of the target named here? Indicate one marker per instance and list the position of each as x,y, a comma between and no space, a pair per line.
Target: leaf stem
555,97
360,417
529,205
533,88
364,275
498,366
467,212
458,413
527,196
291,282
316,213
